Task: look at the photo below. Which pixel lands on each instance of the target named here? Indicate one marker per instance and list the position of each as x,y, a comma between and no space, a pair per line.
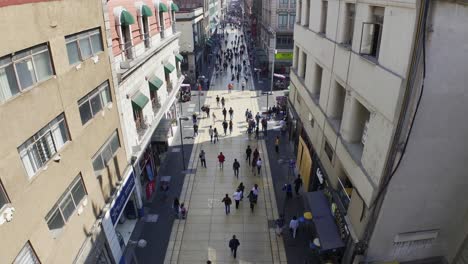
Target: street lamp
272,65
184,118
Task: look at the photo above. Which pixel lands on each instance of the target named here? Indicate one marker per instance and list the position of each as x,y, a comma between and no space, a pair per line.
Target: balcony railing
169,86
141,127
128,51
147,40
156,105
161,32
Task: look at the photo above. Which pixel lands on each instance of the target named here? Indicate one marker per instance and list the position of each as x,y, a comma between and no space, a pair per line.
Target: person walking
236,166
227,204
288,189
293,225
182,211
256,154
297,184
259,166
214,118
243,85
224,113
277,142
217,100
230,126
231,112
255,191
175,206
223,101
215,133
247,115
202,158
221,159
225,126
279,225
248,153
252,200
264,126
233,245
195,130
257,133
210,132
241,188
237,197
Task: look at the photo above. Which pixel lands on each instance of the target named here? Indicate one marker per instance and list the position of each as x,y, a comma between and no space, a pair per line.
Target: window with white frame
23,69
106,152
372,33
94,102
42,146
66,205
3,197
282,20
83,45
283,3
27,255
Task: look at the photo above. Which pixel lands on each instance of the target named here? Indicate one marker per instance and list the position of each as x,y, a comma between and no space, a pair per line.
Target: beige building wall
376,85
24,26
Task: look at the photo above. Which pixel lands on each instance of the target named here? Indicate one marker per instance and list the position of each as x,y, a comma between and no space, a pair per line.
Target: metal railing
128,51
141,127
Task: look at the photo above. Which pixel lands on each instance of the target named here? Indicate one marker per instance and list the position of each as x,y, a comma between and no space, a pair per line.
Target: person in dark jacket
236,166
297,184
248,153
224,113
230,126
233,245
252,200
227,204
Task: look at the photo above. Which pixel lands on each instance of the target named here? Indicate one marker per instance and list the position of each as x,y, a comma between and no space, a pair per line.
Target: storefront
121,216
304,162
146,172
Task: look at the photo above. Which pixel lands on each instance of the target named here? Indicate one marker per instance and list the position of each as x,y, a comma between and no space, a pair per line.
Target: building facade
347,83
143,44
276,33
192,41
61,163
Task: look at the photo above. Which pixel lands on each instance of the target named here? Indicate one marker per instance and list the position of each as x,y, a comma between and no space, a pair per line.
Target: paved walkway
204,235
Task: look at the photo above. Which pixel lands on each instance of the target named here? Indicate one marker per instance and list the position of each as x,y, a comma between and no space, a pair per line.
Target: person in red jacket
221,159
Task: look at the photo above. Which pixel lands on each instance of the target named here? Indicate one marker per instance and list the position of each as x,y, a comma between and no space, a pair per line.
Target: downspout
406,119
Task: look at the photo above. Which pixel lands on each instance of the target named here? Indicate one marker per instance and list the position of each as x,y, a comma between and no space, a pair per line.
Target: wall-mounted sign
122,197
284,56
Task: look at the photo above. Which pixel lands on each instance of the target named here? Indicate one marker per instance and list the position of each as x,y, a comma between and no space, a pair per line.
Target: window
282,20
348,30
345,189
317,79
302,72
306,6
283,3
372,33
292,20
323,18
23,69
3,197
66,206
284,42
328,150
106,152
26,255
336,111
296,57
42,146
94,102
292,4
83,45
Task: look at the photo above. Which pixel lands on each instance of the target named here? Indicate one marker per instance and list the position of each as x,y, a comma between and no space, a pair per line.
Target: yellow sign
284,56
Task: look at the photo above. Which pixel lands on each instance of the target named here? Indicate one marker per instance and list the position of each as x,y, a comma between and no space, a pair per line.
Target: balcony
169,86
141,126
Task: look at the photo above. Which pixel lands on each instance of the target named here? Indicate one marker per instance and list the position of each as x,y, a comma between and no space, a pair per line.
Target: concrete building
60,163
276,32
355,87
143,44
192,41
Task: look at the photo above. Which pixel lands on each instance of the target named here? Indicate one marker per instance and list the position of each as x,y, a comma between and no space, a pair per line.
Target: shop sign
284,56
122,197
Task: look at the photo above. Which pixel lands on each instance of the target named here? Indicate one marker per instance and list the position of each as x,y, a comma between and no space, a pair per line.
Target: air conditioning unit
6,215
364,133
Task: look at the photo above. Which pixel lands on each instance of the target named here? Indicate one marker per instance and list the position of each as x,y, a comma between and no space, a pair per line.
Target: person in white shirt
237,197
293,225
255,190
259,165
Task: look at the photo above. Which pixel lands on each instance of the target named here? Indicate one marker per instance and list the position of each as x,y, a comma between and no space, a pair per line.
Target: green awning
126,19
168,68
179,57
146,11
139,100
155,83
162,7
174,7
